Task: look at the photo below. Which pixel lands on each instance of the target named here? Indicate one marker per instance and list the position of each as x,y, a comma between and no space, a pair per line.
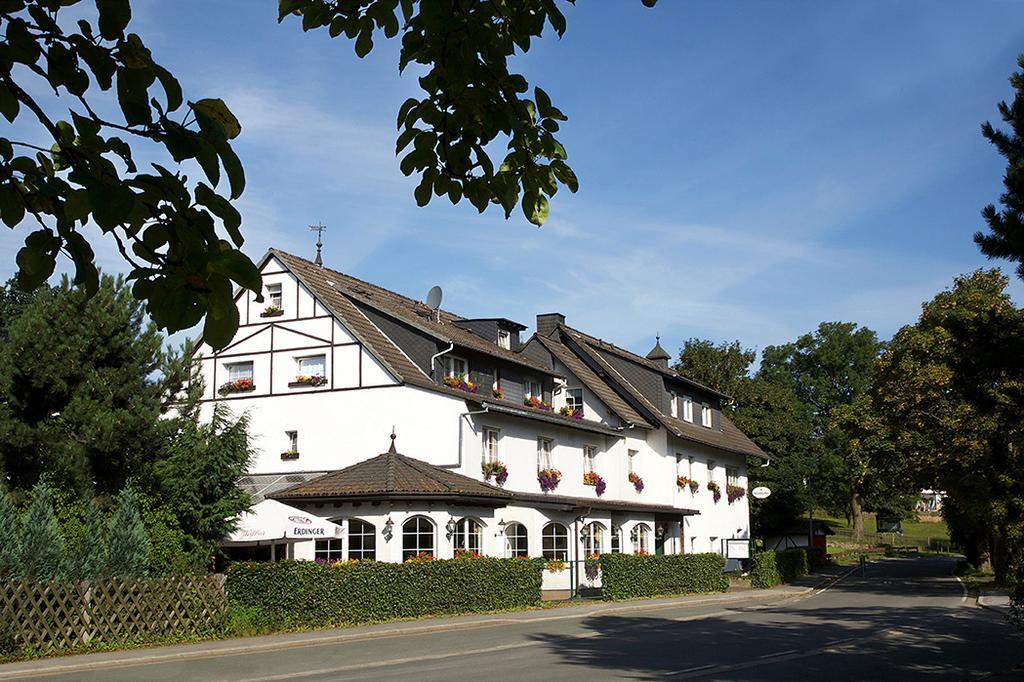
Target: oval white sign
761,492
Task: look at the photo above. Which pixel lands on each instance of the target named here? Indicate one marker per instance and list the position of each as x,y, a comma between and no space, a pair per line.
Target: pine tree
42,547
10,544
91,559
127,542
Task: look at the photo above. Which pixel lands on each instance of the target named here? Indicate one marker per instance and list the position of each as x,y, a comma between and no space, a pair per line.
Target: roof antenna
434,301
319,229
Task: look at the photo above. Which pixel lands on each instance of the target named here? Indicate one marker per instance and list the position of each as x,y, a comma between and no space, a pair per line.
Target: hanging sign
761,492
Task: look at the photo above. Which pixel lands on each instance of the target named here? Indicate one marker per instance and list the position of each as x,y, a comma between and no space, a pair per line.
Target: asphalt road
906,619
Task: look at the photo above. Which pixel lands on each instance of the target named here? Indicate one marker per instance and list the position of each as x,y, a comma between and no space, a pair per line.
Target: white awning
272,521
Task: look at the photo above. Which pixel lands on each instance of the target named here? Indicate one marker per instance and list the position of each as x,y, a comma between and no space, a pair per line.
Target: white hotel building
464,397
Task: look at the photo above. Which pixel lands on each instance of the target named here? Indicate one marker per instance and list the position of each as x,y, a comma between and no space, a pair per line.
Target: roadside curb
61,665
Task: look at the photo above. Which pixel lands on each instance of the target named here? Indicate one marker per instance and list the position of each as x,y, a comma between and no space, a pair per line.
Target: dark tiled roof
392,475
597,385
411,312
507,407
570,503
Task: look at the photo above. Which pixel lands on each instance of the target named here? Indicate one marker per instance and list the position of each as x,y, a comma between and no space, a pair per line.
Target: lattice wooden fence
63,615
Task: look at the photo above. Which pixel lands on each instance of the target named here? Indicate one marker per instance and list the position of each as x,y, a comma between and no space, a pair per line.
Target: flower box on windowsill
302,380
572,412
459,383
288,455
237,386
537,404
272,311
595,479
549,479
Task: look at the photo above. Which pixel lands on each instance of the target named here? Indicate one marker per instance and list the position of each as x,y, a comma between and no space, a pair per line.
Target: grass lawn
922,534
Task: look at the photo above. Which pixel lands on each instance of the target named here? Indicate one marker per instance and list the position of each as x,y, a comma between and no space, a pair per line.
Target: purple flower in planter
549,479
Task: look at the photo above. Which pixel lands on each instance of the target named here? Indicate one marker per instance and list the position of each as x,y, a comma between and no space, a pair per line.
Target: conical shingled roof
393,475
658,353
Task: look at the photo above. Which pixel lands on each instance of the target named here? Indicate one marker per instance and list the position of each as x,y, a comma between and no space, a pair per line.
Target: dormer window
504,339
687,408
705,416
532,389
574,398
454,366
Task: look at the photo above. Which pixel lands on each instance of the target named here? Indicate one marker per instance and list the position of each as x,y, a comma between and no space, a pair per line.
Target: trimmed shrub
792,563
764,572
127,542
304,593
628,576
10,542
43,556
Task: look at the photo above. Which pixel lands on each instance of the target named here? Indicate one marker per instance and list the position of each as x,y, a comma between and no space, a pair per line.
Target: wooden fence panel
64,615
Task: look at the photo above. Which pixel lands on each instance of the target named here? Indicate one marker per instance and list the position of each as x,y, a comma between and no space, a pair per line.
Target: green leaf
543,102
213,115
236,266
99,62
114,17
286,7
405,109
112,203
8,104
422,191
223,209
77,206
566,176
12,206
170,85
206,155
649,3
221,315
37,259
132,95
87,276
233,168
364,43
535,207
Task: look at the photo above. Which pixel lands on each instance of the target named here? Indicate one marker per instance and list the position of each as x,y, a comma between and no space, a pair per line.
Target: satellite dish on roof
434,298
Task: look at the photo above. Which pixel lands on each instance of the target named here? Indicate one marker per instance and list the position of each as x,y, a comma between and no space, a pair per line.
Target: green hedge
304,593
764,571
627,576
792,564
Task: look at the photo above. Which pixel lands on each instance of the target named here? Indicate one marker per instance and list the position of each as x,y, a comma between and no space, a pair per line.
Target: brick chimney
547,322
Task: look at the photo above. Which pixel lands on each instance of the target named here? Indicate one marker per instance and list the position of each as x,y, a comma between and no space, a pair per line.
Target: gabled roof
394,476
324,281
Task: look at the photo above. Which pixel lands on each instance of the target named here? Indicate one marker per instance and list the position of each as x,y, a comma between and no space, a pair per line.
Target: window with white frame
312,366
327,550
673,404
616,540
679,464
555,542
469,535
516,541
732,476
641,538
362,540
705,415
490,444
454,366
417,537
711,470
504,339
689,467
589,458
574,398
593,538
293,440
532,389
687,408
274,295
631,460
544,453
239,370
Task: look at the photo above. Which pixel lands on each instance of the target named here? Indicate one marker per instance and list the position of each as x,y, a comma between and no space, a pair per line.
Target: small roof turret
659,354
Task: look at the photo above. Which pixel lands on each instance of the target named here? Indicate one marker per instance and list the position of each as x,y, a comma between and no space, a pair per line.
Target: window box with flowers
308,380
555,566
716,490
734,492
496,469
597,480
549,479
459,382
461,553
237,386
638,483
420,558
684,482
272,311
572,412
592,566
289,455
497,394
537,404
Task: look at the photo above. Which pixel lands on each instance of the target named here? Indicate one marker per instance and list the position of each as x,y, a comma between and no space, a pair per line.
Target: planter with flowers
461,553
592,566
496,469
684,482
638,483
537,404
555,566
734,492
272,311
641,552
597,480
288,455
420,558
572,412
497,394
237,386
716,490
460,383
549,479
308,380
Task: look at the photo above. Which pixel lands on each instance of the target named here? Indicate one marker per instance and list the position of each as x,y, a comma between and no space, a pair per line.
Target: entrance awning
272,521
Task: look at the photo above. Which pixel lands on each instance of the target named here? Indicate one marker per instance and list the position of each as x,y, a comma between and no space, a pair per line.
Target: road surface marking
781,653
962,587
693,670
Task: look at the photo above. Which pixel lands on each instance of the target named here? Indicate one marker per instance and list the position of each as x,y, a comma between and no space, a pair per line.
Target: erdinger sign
304,528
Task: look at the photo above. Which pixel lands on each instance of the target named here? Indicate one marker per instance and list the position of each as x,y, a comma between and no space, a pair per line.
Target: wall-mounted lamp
388,526
450,526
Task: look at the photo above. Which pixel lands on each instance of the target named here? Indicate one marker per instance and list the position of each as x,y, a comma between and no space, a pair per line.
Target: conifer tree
42,547
127,542
10,543
91,559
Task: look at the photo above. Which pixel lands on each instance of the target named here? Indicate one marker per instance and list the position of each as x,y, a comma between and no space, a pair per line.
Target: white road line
693,670
962,587
780,653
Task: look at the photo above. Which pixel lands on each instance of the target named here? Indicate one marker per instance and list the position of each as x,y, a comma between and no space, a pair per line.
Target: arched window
616,540
593,538
641,538
362,540
469,535
417,537
555,542
515,539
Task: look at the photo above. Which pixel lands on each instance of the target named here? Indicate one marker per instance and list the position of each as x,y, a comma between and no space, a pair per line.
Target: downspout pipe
435,356
465,415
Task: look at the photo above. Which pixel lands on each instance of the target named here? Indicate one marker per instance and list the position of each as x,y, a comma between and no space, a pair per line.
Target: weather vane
319,229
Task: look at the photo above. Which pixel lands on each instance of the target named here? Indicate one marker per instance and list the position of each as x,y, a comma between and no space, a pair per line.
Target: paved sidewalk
996,600
113,659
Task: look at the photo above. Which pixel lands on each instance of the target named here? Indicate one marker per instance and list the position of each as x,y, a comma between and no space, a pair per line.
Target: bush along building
557,445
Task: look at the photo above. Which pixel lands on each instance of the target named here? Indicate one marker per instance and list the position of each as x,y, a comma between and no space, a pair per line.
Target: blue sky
747,170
